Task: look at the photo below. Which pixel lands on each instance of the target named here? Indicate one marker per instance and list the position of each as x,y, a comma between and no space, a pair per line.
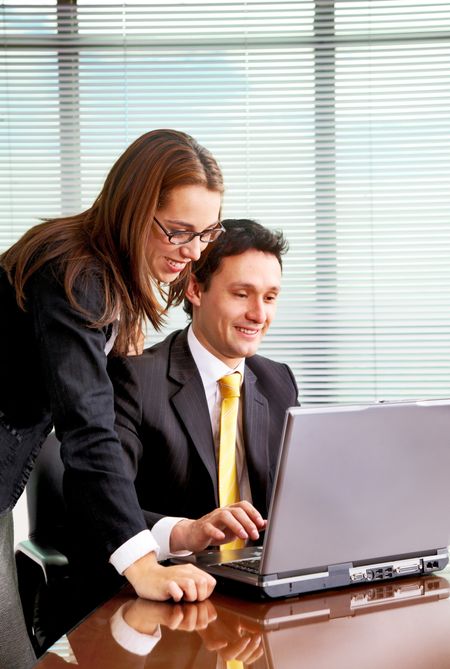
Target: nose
192,249
257,311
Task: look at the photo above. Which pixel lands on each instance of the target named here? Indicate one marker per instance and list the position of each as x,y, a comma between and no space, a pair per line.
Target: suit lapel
190,404
256,435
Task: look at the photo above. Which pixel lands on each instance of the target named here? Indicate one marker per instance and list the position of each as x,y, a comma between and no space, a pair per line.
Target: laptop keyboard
251,565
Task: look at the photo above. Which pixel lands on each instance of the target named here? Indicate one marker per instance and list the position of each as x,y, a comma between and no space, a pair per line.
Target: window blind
330,121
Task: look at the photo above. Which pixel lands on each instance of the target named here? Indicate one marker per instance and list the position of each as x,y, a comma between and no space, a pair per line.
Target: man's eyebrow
243,284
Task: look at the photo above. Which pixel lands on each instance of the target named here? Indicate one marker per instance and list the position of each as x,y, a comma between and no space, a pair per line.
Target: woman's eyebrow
171,221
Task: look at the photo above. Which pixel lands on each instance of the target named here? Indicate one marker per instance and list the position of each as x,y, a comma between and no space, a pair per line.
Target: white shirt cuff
161,532
130,639
133,549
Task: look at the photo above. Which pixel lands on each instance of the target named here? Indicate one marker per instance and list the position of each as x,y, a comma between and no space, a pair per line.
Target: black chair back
46,510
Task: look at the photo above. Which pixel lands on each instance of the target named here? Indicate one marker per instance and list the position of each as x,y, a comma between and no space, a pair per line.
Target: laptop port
381,573
408,568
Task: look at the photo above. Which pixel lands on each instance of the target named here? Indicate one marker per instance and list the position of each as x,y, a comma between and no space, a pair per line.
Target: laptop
361,494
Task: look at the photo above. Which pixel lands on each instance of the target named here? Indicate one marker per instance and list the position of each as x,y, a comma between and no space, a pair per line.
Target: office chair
46,513
42,567
55,595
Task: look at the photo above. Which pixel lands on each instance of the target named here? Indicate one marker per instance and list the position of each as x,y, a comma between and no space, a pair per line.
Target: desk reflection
401,623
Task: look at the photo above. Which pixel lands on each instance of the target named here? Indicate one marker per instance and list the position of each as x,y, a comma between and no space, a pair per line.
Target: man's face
233,315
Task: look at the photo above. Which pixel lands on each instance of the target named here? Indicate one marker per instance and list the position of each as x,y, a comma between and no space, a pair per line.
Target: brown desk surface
403,623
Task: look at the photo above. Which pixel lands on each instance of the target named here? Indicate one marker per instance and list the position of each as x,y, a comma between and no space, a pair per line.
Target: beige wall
20,516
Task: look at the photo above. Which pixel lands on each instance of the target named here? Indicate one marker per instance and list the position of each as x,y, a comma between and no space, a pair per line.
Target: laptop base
228,574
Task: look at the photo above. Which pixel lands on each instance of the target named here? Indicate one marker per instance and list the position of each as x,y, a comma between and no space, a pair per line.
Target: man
170,429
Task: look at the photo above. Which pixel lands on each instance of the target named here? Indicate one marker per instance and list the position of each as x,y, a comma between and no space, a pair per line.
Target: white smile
247,331
178,266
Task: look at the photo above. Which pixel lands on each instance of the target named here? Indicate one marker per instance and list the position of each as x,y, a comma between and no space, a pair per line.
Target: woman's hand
153,581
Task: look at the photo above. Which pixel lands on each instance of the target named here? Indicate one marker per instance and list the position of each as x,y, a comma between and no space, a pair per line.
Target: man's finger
212,531
245,521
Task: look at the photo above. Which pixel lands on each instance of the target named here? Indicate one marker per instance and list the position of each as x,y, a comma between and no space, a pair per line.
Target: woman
72,289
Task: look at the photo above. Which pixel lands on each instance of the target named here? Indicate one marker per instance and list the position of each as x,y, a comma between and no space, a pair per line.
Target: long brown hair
113,234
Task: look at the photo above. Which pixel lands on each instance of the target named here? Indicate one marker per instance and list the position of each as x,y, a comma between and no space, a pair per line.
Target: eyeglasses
179,237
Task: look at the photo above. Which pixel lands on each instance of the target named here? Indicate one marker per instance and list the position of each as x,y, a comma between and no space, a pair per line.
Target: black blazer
163,423
53,372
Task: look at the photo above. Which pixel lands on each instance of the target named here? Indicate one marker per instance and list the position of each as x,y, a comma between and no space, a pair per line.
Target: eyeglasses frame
192,235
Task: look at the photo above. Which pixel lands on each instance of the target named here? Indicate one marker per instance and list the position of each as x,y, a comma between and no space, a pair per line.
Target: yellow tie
228,480
235,664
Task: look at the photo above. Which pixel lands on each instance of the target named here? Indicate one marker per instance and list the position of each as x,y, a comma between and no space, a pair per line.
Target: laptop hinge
339,573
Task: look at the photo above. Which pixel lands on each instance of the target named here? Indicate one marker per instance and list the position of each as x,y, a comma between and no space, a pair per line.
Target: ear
194,291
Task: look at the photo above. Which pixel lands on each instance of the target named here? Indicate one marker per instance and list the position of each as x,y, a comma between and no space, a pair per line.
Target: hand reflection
226,635
229,637
145,615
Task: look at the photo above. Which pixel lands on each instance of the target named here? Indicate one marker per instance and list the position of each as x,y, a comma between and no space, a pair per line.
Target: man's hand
153,581
236,521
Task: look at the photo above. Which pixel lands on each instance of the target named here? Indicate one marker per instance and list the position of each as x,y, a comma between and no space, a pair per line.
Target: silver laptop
361,494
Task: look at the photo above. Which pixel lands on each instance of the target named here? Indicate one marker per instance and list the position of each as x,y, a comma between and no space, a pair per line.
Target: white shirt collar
211,369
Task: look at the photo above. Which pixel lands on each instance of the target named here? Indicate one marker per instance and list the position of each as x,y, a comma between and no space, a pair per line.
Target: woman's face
190,209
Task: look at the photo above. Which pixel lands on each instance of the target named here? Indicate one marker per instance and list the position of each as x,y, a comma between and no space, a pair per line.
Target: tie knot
230,385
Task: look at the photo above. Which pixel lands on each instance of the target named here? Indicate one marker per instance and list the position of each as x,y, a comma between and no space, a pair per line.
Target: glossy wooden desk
403,623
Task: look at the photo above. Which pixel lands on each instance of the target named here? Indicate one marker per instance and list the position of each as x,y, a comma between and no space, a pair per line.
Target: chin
246,353
168,278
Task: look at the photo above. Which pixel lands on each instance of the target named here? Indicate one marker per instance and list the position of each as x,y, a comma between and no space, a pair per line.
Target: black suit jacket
163,422
53,371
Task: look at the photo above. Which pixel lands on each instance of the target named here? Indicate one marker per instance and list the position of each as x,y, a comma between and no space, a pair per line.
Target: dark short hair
241,235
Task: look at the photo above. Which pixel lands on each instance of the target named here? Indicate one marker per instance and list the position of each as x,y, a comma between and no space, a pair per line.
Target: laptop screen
359,483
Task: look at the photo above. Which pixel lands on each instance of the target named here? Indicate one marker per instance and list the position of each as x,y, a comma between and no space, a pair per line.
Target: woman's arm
99,490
